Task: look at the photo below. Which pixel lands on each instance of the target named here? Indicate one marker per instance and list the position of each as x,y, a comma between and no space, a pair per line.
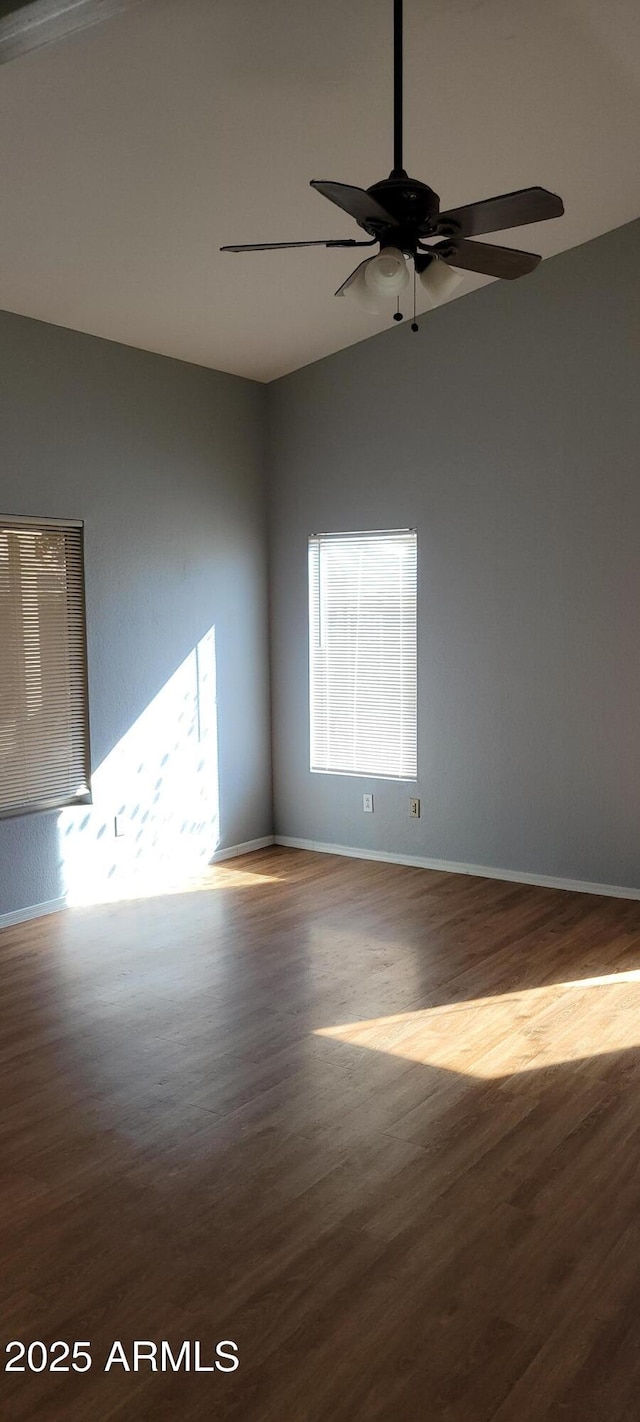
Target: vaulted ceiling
132,151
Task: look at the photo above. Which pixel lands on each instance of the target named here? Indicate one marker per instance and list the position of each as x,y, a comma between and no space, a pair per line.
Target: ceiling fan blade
276,246
346,284
495,214
357,202
485,257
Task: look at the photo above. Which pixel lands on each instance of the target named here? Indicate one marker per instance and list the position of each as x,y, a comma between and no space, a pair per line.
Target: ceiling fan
403,215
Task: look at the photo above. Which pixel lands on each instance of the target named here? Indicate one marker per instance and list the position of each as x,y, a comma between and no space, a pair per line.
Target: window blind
44,736
363,653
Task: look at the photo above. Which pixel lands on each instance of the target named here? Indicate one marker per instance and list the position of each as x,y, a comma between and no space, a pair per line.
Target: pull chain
414,323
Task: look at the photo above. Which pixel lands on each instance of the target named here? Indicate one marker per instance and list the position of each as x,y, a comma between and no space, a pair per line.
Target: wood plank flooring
378,1126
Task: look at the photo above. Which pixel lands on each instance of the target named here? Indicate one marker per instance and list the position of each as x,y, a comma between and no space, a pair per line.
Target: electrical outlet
414,809
367,804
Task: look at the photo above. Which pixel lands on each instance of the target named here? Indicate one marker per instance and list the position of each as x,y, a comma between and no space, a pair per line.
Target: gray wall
165,463
508,432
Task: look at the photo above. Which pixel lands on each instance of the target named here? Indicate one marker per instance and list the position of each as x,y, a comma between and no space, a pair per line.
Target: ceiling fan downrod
398,170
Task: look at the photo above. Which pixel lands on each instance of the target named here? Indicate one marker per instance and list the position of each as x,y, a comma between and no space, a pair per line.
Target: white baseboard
481,871
235,850
33,911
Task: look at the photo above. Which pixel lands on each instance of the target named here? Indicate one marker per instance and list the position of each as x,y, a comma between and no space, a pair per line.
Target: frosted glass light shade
439,281
386,275
377,280
360,293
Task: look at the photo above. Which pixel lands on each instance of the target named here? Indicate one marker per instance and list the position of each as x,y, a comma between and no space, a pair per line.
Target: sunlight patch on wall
160,784
494,1037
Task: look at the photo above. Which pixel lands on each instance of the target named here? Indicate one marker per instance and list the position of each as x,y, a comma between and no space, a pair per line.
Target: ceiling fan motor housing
410,203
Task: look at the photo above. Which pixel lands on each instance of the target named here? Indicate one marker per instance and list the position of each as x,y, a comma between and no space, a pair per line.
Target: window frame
59,802
365,775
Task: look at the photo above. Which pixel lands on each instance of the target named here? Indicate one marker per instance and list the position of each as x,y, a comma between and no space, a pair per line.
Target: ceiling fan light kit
402,215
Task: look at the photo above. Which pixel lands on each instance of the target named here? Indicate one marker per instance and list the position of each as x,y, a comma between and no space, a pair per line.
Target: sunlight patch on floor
215,878
512,1033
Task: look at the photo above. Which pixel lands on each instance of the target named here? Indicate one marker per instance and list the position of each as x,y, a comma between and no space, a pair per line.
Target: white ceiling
131,152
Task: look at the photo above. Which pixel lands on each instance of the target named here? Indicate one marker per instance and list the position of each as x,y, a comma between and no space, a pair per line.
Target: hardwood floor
376,1125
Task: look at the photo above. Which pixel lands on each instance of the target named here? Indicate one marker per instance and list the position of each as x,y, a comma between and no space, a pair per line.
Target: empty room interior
319,710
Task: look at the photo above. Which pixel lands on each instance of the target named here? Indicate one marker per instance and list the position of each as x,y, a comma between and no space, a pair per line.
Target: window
44,735
362,643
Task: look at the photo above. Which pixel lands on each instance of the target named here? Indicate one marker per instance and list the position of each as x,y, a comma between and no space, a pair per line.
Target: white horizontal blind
44,738
363,658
